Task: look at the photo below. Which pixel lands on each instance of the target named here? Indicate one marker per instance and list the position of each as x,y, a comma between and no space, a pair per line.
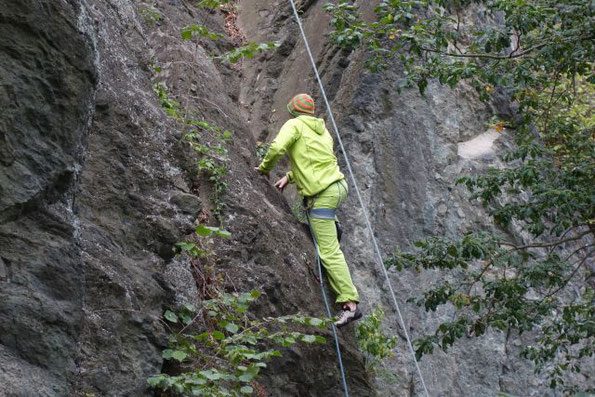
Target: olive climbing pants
325,234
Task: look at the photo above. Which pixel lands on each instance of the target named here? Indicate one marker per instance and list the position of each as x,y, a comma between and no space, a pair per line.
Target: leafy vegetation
227,357
207,140
171,107
212,160
212,3
437,39
212,156
191,31
373,342
151,15
540,55
194,251
220,348
261,150
249,50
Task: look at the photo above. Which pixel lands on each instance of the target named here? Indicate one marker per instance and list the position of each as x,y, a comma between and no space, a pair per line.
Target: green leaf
203,230
212,3
179,355
218,335
247,377
186,246
246,390
211,375
420,244
167,354
223,233
231,327
170,316
186,33
202,336
186,319
155,381
309,338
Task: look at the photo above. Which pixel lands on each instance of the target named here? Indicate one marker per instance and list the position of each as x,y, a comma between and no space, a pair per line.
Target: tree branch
580,249
518,42
545,245
512,55
565,283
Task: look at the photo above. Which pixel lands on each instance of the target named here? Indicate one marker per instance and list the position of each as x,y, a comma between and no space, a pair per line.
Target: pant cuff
347,298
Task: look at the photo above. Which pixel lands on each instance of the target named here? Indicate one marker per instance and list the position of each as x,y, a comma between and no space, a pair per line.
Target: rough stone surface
407,151
47,84
187,203
96,187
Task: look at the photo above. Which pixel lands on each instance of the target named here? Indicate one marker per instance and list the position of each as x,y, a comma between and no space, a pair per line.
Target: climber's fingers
281,183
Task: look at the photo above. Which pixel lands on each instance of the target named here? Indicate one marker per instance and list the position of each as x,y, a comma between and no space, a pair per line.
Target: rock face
48,85
96,187
407,151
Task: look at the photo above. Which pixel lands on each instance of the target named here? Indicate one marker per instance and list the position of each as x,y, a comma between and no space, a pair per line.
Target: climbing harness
328,309
323,213
365,212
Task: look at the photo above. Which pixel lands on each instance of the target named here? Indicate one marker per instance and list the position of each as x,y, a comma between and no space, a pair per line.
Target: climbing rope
361,202
328,309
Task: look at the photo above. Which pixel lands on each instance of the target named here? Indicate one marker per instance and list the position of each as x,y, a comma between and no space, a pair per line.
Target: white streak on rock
479,146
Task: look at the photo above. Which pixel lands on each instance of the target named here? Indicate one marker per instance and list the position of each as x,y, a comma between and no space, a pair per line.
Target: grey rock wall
47,84
96,188
407,151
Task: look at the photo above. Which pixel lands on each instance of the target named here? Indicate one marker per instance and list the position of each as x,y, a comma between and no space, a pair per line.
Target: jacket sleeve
287,136
290,177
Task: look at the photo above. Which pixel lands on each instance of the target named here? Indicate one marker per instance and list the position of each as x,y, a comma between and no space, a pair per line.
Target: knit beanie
301,104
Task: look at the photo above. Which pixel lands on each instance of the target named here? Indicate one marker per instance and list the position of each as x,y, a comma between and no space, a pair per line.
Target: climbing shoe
346,316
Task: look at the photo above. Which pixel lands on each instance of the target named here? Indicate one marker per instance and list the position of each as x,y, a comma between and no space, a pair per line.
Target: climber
316,174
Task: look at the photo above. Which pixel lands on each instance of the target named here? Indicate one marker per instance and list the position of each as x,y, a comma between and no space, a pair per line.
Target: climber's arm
286,137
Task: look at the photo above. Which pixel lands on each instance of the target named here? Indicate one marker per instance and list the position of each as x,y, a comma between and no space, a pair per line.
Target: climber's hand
281,183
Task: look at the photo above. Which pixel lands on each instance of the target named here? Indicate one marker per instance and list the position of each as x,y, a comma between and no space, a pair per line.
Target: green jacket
310,149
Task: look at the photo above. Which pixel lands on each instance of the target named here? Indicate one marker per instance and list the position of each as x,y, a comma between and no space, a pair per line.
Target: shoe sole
355,317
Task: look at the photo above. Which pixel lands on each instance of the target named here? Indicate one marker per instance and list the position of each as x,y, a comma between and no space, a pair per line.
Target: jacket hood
316,125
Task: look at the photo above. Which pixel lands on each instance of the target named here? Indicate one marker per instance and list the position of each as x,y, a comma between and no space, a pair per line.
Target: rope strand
361,202
328,310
